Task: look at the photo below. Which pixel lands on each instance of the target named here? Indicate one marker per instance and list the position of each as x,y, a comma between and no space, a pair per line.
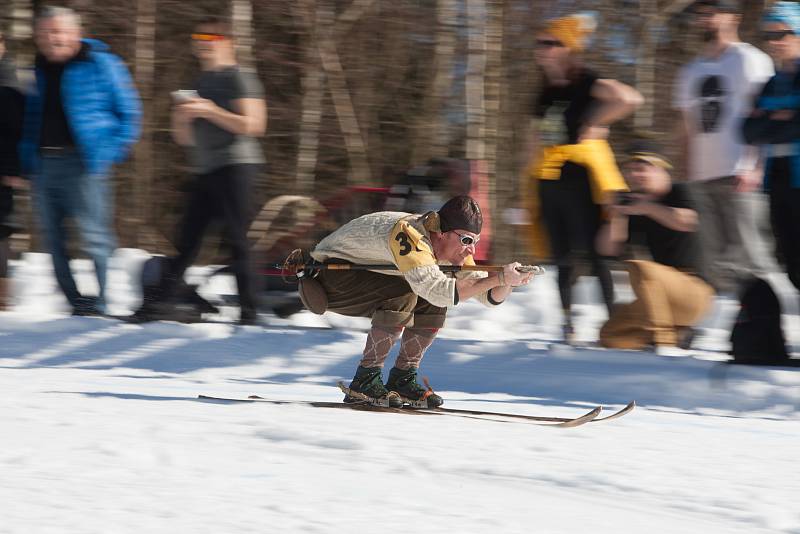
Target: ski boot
367,381
404,383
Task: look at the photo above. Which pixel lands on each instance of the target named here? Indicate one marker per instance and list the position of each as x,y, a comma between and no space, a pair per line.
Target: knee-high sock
379,342
414,343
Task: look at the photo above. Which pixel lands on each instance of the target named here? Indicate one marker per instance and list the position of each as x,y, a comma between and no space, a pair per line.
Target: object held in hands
182,96
297,266
535,269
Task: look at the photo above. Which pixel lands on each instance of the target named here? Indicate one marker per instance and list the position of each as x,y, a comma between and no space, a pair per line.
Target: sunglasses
467,240
208,37
776,36
549,43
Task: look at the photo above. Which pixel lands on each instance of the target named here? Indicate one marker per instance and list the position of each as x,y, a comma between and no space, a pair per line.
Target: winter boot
404,383
85,307
248,317
568,331
367,380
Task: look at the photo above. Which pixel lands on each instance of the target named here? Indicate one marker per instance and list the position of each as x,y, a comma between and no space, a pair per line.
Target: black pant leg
784,203
233,190
600,264
572,220
793,241
553,196
5,254
586,222
200,210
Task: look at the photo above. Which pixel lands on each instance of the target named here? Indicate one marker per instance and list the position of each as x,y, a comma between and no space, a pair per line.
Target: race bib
409,247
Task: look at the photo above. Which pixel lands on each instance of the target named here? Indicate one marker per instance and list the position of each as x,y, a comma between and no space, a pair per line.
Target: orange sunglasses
208,37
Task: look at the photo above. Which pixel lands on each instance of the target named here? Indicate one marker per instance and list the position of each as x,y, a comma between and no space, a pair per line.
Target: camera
625,198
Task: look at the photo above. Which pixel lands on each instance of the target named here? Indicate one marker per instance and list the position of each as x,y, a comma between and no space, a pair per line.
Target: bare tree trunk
307,11
475,79
430,134
646,65
752,12
337,85
494,76
20,29
345,21
143,151
506,239
242,11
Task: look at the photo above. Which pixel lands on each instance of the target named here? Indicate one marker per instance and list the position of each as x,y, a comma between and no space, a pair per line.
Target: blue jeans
64,190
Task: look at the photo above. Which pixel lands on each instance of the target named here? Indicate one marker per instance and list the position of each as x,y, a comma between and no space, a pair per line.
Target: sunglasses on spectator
776,35
208,37
549,43
467,240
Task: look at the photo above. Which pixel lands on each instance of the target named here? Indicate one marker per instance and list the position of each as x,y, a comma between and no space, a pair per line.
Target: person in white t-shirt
714,92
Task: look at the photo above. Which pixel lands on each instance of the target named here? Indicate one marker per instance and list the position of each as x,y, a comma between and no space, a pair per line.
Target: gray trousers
733,230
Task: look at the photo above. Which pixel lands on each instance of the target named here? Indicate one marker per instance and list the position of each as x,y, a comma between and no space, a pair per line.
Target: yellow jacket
604,179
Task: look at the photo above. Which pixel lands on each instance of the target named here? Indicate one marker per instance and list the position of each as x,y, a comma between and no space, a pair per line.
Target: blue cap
784,13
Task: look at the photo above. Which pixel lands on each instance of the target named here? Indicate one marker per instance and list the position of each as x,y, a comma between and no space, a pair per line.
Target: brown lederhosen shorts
387,299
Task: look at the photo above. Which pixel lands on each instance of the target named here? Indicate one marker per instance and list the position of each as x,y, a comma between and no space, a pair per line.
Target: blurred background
361,91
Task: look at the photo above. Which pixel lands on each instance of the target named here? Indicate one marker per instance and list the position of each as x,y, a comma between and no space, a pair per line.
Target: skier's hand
513,277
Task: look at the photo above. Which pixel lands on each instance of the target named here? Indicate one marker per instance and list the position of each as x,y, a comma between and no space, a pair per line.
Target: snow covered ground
101,431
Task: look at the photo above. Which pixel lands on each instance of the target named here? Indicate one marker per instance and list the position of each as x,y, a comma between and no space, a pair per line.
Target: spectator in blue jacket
81,119
775,125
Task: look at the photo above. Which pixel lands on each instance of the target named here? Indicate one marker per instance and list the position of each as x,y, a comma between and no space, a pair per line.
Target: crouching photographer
672,294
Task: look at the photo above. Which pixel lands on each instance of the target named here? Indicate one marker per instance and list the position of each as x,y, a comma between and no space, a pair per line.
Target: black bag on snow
184,304
757,337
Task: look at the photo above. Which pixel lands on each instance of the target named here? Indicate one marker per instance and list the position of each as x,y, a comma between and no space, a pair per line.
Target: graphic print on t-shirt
553,128
713,93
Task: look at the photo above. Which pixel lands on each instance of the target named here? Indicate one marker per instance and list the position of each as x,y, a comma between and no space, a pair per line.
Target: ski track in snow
102,431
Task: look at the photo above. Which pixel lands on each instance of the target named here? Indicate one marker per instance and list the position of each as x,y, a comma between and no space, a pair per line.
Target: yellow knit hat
573,30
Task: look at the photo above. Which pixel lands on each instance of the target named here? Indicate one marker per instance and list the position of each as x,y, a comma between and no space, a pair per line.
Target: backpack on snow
186,305
757,337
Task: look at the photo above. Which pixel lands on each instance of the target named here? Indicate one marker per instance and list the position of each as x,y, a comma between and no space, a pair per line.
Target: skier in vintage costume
410,301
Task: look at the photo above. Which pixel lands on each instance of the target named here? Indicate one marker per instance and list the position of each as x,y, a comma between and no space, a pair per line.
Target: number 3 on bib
409,248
